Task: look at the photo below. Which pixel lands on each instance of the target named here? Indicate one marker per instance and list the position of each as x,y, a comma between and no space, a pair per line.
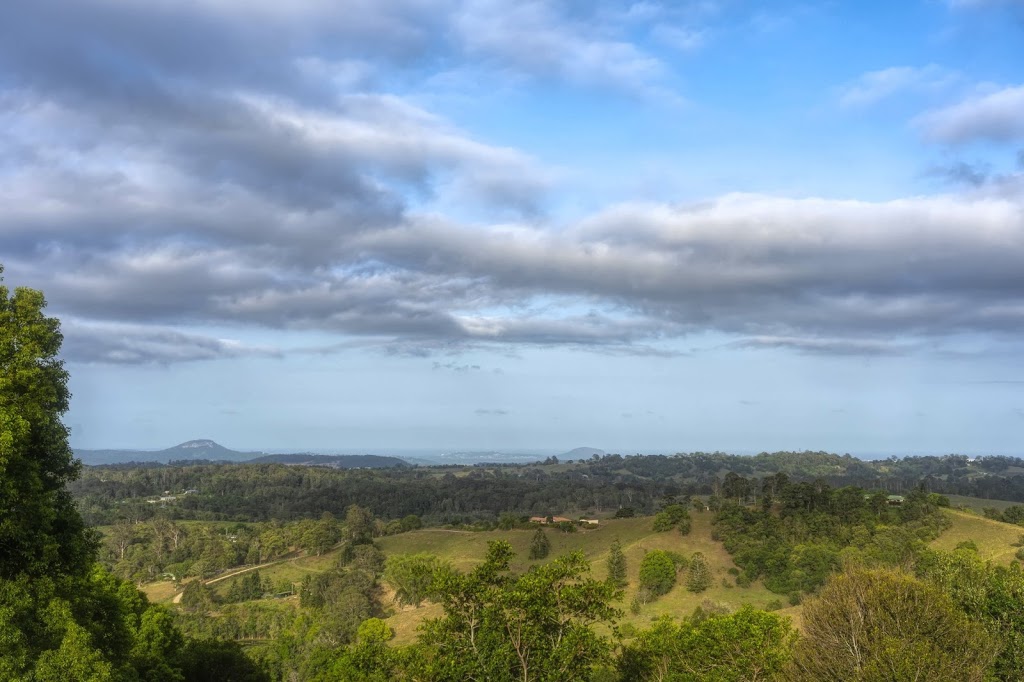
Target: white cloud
996,116
874,86
534,38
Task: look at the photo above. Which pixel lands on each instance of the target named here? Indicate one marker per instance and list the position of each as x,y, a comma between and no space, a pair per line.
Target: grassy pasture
993,538
466,549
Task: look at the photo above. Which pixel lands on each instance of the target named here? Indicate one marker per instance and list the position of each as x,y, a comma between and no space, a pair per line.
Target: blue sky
469,224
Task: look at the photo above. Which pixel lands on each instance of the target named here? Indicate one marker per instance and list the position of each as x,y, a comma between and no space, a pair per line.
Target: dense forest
821,531
261,492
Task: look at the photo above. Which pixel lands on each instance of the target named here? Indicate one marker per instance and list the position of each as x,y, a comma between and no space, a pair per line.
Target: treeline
467,495
264,492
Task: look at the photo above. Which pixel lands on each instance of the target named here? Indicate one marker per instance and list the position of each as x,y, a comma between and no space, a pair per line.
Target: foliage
673,516
62,617
797,547
540,546
617,565
992,595
657,573
887,625
537,626
698,577
40,530
746,645
411,575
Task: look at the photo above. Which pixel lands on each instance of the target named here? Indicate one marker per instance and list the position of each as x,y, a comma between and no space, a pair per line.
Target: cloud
535,38
961,172
679,38
823,346
456,367
818,275
871,87
105,343
993,116
174,168
490,413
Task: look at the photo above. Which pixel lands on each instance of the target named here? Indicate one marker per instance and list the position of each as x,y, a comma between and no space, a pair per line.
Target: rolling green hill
464,549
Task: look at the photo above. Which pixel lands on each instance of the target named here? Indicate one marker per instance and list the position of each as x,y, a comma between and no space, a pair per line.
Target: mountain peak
200,443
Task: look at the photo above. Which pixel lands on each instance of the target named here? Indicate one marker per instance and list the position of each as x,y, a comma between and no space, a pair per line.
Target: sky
362,225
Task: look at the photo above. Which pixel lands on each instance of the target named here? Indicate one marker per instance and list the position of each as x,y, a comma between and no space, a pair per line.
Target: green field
993,538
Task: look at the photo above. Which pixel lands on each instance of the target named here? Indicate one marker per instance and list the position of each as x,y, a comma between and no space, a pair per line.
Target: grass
993,538
466,549
978,503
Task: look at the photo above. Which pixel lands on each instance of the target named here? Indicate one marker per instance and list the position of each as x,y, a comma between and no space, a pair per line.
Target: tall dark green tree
41,532
62,617
617,565
698,577
540,546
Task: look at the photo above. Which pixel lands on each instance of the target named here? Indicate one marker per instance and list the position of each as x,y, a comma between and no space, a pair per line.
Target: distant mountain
192,449
583,453
210,451
336,461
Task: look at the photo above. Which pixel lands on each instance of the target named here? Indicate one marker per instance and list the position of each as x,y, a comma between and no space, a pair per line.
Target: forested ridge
261,492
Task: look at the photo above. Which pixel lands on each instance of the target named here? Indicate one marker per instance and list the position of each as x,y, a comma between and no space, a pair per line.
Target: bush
743,580
657,573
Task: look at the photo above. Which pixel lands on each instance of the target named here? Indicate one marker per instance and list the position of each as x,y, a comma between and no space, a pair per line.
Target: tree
617,565
322,535
411,575
534,627
673,516
744,646
991,594
41,532
540,546
887,625
358,525
657,573
698,577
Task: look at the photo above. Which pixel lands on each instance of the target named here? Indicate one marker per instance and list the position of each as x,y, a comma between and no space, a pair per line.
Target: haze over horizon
467,224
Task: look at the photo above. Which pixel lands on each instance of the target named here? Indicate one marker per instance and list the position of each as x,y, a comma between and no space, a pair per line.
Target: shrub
657,573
